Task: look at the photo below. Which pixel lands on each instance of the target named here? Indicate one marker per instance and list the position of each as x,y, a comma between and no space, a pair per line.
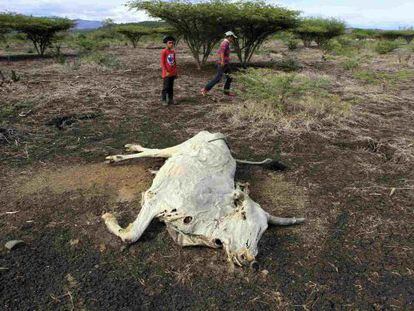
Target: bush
350,64
105,60
87,45
363,34
385,47
283,101
319,30
289,39
292,44
392,35
331,46
288,64
288,93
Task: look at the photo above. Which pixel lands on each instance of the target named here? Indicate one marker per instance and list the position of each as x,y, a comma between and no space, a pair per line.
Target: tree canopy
133,32
254,22
40,30
203,24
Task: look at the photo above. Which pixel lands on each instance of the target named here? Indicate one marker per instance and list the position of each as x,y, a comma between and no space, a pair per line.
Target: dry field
351,177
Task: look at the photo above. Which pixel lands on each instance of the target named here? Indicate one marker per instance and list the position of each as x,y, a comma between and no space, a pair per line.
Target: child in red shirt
169,71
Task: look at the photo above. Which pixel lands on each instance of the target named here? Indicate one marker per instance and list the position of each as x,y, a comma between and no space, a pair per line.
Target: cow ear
273,220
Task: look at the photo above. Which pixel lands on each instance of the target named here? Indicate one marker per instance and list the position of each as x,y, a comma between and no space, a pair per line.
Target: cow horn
283,221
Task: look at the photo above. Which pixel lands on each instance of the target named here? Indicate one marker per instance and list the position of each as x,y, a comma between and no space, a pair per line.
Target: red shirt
168,63
225,50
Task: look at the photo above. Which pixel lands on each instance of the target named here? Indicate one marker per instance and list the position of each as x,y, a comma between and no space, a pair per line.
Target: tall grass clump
108,61
286,98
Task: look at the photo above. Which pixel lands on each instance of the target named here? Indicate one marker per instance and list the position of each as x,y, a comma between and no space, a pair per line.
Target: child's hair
168,38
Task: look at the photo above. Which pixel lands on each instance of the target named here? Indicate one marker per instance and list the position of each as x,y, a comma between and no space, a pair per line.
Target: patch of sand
124,182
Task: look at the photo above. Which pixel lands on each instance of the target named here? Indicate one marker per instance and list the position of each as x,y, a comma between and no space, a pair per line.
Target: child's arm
163,63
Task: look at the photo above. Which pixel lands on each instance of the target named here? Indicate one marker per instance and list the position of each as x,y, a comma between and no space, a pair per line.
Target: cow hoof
108,217
113,159
133,147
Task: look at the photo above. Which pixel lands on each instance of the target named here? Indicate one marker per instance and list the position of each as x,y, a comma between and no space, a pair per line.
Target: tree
6,23
198,23
133,32
320,30
203,24
41,30
169,31
254,22
108,23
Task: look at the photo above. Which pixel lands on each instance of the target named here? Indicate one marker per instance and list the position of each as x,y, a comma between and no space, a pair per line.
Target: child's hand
167,74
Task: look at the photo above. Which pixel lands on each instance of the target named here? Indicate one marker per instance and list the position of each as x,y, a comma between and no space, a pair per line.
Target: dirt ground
353,180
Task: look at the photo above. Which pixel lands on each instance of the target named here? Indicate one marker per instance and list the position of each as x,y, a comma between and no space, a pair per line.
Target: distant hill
86,24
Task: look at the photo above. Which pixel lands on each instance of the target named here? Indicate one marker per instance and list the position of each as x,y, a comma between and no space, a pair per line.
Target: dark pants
167,93
220,72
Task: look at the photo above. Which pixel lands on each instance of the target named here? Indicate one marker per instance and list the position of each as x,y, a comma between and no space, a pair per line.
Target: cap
230,33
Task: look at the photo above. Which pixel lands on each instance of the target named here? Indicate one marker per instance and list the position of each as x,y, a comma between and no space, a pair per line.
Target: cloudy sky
357,13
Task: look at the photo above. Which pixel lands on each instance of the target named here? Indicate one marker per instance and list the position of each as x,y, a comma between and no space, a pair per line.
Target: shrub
319,30
284,101
389,35
331,46
87,45
292,44
288,64
392,35
289,39
287,93
105,60
350,64
385,47
363,34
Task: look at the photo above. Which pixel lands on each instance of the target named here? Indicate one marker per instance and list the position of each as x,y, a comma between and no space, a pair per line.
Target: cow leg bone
151,153
134,230
134,147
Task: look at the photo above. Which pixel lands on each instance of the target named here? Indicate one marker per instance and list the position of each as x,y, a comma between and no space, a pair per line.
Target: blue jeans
220,72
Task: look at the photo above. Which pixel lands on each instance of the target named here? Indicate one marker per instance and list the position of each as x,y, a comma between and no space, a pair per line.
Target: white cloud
366,13
91,10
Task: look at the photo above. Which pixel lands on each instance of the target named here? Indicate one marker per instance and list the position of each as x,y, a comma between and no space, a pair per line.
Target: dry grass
286,102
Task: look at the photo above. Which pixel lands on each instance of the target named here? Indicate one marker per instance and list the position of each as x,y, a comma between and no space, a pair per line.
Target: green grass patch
379,77
288,93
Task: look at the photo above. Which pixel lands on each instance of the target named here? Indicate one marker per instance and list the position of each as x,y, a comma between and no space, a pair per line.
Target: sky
386,14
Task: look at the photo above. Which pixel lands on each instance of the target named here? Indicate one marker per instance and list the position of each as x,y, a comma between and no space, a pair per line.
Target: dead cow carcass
194,193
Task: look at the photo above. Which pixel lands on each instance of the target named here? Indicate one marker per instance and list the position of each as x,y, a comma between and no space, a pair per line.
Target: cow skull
195,195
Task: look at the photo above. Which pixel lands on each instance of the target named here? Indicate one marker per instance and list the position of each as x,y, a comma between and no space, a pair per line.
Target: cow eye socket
218,242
